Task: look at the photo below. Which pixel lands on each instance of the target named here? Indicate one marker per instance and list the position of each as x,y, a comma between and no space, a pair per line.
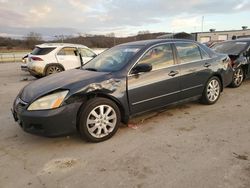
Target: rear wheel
238,77
99,120
212,91
52,69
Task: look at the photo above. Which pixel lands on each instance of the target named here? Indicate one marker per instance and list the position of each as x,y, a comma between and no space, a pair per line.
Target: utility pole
202,23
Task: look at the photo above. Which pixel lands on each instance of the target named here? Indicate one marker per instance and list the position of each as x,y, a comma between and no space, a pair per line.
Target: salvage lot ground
189,145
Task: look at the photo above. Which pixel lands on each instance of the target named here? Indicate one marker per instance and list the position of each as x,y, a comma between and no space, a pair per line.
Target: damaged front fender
111,87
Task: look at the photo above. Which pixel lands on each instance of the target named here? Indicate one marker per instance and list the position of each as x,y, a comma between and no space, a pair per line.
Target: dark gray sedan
122,82
239,53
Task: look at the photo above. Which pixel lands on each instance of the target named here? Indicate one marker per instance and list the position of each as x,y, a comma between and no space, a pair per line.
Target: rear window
41,51
230,48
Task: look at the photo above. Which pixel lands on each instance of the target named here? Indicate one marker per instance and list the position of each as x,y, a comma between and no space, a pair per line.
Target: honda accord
124,81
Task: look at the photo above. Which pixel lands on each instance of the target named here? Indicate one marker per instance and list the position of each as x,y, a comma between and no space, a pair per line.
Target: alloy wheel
213,90
238,77
101,121
54,69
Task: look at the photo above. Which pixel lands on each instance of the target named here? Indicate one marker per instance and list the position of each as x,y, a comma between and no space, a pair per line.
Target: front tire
99,120
211,91
238,77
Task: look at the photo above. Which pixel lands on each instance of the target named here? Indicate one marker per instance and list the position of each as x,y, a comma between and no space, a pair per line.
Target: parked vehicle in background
239,53
122,82
50,58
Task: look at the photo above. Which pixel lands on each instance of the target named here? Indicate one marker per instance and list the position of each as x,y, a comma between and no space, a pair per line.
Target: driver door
160,86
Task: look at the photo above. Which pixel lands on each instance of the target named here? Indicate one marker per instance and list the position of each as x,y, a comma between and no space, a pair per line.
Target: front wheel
238,77
99,120
211,91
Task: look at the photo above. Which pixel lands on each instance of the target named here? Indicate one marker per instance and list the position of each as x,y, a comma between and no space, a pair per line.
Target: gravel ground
189,145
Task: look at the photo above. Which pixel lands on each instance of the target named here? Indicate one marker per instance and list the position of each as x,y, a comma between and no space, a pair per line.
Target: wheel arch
245,68
124,117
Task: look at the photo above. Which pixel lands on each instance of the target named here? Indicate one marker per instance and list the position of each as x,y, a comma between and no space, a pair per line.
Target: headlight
49,101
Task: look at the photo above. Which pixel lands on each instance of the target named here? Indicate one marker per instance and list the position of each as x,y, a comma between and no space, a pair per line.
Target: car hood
65,80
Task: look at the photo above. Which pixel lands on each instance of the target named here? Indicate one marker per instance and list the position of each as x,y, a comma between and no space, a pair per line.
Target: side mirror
141,68
246,53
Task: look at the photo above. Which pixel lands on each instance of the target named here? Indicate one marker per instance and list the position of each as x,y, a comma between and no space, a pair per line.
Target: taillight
36,58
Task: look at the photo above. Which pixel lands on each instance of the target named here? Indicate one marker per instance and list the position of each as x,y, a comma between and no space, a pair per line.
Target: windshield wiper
91,69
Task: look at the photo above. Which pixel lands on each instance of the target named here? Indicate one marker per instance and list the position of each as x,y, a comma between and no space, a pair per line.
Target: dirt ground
189,145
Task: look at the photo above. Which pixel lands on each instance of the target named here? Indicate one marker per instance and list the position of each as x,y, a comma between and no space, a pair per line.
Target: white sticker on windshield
131,50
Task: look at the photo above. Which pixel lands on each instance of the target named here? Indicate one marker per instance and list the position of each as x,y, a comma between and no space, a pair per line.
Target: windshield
113,59
230,48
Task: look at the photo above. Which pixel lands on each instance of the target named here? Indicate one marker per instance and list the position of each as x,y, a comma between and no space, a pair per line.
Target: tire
99,120
52,69
238,78
211,91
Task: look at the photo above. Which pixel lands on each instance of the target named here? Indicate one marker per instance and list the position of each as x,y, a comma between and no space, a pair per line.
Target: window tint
159,57
68,51
86,52
204,54
188,52
41,51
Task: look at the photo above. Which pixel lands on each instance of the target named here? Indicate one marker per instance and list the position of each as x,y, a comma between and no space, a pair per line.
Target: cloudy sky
123,17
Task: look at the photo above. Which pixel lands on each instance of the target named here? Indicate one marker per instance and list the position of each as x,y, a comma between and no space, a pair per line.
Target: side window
204,55
68,51
86,52
188,52
159,57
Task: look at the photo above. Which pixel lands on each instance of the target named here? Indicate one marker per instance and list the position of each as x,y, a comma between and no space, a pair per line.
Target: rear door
69,58
158,87
195,67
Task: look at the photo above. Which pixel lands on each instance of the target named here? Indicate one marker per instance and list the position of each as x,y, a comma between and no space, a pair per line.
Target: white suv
50,58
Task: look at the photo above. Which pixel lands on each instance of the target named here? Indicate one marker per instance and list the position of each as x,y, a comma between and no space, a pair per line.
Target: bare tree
32,39
112,35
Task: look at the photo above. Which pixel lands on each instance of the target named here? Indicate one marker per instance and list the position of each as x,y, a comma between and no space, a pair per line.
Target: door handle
173,73
207,65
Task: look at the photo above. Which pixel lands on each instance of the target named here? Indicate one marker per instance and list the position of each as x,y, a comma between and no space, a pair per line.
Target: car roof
243,40
154,41
55,45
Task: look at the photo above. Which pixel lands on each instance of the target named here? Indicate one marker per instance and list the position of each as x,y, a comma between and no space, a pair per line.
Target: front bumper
50,123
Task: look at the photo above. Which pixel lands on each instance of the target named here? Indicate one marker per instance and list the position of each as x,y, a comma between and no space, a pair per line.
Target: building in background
214,35
180,35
